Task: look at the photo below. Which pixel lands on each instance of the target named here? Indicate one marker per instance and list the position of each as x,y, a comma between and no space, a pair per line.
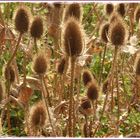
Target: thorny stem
71,111
35,43
47,107
102,65
112,77
15,51
24,70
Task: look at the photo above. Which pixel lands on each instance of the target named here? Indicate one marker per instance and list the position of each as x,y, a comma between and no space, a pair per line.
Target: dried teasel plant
109,8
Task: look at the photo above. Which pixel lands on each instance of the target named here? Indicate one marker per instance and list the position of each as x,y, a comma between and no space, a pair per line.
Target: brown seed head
57,5
37,116
87,77
118,33
61,66
137,14
37,28
22,19
104,32
9,73
86,104
40,64
73,10
92,92
109,8
121,9
73,38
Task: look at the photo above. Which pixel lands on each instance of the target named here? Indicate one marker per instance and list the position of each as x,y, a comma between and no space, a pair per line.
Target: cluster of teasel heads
72,36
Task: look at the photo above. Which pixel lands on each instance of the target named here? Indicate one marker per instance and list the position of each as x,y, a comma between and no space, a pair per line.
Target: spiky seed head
137,14
61,66
87,77
73,38
121,9
138,66
105,86
118,33
104,32
22,19
36,28
92,91
38,116
109,8
9,74
40,64
86,104
1,92
73,10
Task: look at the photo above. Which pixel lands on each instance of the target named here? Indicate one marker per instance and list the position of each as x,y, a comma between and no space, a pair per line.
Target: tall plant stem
15,51
35,43
71,112
118,96
112,77
102,65
46,104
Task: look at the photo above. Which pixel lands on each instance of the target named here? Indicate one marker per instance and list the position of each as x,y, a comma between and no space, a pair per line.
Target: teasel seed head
73,10
57,5
104,32
22,19
109,8
40,64
38,116
73,38
86,104
36,28
87,77
61,66
121,9
137,14
118,33
92,91
1,92
9,74
138,66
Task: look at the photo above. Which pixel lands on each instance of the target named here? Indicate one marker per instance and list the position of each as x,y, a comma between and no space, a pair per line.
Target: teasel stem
86,120
48,93
94,110
102,65
35,44
24,70
118,97
112,77
15,51
46,104
71,112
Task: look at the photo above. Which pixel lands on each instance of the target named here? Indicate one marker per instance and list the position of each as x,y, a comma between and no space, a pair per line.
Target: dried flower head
104,32
36,28
40,64
109,8
137,14
87,77
73,10
38,116
1,92
9,74
118,33
121,9
73,38
57,5
92,91
86,104
61,66
22,19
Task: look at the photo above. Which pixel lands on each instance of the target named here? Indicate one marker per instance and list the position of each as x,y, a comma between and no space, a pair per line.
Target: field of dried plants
70,70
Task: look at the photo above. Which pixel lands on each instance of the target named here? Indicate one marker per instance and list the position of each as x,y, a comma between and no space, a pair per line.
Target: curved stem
15,51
